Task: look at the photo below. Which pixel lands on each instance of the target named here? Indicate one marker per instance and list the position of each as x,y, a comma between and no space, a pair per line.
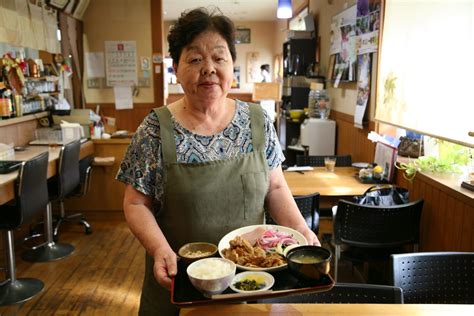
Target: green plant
452,157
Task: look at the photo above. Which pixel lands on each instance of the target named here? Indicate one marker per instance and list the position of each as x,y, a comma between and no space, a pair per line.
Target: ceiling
236,10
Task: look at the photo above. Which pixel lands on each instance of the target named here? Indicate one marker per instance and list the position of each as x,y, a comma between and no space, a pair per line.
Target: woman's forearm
142,223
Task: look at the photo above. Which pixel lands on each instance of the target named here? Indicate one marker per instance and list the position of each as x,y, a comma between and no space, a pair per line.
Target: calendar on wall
121,63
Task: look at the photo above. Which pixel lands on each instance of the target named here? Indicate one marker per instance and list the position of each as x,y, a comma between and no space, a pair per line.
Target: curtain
426,64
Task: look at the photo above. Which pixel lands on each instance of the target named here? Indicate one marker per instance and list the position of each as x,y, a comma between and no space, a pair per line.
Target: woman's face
205,68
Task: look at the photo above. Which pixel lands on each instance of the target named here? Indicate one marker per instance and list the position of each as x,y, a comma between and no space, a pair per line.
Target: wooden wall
447,221
351,140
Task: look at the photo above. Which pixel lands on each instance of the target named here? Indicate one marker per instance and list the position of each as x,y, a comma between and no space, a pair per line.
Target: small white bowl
260,277
205,278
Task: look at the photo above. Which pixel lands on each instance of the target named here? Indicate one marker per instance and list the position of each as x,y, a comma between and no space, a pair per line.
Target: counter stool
85,171
31,198
66,180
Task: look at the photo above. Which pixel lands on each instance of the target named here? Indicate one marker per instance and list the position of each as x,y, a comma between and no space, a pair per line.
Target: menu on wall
121,63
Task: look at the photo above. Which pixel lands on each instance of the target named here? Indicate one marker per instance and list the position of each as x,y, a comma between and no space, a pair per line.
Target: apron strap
168,144
257,125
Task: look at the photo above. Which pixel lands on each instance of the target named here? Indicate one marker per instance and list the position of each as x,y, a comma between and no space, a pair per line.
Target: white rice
211,269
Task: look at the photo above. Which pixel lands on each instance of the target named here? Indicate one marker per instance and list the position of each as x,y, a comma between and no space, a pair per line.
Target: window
426,68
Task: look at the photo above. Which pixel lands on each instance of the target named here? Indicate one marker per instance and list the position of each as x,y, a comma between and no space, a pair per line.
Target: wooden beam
156,9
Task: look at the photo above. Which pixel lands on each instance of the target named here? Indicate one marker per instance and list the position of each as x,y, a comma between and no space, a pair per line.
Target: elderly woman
203,165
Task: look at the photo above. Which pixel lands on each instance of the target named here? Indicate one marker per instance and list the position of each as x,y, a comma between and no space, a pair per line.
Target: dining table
328,309
7,181
343,182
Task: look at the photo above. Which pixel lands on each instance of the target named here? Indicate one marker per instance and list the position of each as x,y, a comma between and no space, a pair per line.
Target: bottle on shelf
319,105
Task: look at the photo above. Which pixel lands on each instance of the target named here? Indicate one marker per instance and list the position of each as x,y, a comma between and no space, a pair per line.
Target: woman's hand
311,237
165,267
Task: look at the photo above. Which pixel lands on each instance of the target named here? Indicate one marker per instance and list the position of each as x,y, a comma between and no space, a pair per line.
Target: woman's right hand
165,266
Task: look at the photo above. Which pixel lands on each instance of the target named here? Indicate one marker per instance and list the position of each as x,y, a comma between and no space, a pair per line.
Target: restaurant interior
370,103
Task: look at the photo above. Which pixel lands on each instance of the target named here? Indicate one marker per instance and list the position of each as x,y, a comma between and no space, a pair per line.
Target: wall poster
121,63
343,45
236,79
368,26
253,67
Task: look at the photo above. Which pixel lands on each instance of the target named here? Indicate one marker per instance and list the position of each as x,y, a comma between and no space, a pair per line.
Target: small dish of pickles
252,281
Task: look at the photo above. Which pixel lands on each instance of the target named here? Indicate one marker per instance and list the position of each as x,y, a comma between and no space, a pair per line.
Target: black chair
375,232
309,208
318,161
435,277
346,293
85,171
65,182
31,199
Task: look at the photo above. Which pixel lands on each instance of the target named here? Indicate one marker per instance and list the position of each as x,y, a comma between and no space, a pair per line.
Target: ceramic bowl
296,114
211,276
252,282
197,250
309,263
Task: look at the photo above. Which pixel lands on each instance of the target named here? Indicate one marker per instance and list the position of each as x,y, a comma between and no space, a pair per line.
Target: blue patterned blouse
142,165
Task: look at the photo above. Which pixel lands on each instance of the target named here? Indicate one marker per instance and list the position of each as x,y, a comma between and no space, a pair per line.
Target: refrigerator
319,135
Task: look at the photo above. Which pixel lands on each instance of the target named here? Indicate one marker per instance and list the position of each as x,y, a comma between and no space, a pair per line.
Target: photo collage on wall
367,30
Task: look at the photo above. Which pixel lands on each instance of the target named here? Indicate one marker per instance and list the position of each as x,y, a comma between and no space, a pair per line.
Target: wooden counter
7,180
105,197
329,309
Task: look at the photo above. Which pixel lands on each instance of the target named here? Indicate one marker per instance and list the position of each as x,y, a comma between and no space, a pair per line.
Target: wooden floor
102,277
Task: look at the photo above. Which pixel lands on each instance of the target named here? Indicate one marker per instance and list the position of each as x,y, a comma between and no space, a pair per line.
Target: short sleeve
273,149
141,166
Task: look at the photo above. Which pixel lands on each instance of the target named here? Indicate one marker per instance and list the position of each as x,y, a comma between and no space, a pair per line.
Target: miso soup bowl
309,263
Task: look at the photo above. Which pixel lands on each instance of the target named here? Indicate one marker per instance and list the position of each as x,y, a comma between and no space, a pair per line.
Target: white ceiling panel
237,10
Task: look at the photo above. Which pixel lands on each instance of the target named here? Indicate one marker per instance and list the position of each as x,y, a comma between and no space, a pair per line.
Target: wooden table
332,186
7,181
341,182
328,309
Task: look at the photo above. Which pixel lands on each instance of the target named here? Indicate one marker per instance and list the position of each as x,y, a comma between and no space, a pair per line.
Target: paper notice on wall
95,65
123,97
121,63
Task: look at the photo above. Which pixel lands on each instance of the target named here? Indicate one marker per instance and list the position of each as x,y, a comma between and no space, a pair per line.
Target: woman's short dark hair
193,23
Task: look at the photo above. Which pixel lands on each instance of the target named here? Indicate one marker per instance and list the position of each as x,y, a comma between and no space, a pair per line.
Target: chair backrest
318,161
435,277
31,188
68,169
346,293
309,208
85,171
377,226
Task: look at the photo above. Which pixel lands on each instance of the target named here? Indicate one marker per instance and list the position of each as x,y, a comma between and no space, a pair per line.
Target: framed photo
242,36
57,4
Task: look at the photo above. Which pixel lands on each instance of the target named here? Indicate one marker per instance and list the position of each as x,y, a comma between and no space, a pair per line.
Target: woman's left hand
311,237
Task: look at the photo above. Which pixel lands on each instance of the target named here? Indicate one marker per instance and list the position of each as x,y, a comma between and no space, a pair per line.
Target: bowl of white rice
211,275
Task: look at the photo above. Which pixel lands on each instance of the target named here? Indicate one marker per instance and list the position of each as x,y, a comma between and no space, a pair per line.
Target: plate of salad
260,247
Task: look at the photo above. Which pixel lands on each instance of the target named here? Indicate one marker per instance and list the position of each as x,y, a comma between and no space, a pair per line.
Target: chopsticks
238,295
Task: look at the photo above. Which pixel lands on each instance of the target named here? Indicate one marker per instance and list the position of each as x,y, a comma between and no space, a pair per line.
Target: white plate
360,164
224,242
259,276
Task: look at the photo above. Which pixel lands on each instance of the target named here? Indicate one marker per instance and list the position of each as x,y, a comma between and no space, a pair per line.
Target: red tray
184,294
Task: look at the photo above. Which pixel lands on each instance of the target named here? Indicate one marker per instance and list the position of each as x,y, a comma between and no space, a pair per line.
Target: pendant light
284,10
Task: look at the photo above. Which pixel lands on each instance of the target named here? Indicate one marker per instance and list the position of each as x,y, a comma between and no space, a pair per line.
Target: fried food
244,254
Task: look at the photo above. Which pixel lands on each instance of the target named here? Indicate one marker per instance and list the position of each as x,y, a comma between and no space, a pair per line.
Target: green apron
205,201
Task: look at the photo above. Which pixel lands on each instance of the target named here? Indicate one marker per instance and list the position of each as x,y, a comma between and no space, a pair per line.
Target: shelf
25,118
